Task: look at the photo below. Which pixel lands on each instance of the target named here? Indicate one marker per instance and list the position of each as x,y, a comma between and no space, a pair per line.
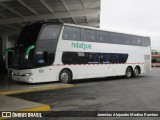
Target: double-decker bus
47,52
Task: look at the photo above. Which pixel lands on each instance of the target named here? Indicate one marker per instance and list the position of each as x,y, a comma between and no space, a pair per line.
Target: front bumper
23,79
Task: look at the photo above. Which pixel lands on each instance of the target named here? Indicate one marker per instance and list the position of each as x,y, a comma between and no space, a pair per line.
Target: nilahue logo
81,45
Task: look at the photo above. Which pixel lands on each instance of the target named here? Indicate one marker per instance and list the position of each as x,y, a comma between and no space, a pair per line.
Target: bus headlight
27,74
13,73
30,80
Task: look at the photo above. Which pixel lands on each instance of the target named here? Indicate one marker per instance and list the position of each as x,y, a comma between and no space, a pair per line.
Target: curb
54,87
40,108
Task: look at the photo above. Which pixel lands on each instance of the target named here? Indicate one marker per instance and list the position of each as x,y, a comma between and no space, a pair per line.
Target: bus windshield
44,37
28,35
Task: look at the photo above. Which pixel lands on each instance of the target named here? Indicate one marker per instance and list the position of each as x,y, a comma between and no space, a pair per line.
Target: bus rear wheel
136,72
129,72
65,76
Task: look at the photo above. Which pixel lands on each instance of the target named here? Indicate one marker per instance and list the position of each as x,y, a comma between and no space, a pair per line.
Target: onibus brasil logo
81,45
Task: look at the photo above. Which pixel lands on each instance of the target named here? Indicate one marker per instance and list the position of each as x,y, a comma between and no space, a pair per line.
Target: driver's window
40,57
43,58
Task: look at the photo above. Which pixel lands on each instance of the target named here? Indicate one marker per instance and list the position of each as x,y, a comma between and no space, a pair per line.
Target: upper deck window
71,33
103,37
145,42
115,38
91,35
50,32
88,35
127,39
137,41
48,38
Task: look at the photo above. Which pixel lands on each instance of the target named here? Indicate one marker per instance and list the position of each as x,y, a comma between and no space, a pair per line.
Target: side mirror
28,50
7,50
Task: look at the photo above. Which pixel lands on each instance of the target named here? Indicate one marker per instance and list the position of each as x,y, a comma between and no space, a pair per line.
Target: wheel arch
68,70
129,72
130,67
137,66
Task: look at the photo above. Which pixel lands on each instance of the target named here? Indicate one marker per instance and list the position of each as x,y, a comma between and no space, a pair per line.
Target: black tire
136,72
65,76
129,72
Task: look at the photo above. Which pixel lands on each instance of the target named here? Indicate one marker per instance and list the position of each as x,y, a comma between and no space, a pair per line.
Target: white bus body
137,57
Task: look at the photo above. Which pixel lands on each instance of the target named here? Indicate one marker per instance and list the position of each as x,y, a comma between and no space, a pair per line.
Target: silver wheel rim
64,77
128,73
136,72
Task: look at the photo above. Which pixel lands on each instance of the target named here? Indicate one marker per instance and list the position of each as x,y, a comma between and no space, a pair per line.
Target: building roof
14,14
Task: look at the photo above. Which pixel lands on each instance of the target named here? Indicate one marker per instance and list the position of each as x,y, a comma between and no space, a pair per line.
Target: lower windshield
35,59
19,59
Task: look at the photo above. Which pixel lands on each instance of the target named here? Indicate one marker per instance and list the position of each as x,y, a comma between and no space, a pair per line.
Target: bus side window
90,58
123,58
88,35
137,41
102,37
115,38
116,58
71,33
50,32
101,59
39,57
106,58
69,58
145,42
96,58
80,58
127,39
44,58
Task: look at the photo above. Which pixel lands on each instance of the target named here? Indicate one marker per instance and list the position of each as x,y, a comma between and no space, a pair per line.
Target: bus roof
88,27
82,26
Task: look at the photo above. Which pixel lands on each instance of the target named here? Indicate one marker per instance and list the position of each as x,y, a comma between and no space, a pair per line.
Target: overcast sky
140,17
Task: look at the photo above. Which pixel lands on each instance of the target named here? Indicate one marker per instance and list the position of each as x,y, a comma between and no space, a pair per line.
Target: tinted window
106,58
29,34
123,58
93,58
127,39
88,35
50,32
103,36
43,58
71,33
137,41
115,38
69,58
145,42
115,58
48,38
81,58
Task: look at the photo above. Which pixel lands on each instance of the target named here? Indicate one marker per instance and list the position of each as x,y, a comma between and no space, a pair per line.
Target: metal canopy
14,14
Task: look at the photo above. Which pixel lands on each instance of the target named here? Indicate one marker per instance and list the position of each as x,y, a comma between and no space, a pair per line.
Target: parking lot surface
104,94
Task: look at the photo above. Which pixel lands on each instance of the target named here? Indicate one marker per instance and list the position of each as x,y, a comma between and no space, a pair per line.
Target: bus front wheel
65,76
129,72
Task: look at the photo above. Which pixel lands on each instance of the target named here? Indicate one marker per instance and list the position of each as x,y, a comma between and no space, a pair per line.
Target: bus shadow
80,81
90,80
115,78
